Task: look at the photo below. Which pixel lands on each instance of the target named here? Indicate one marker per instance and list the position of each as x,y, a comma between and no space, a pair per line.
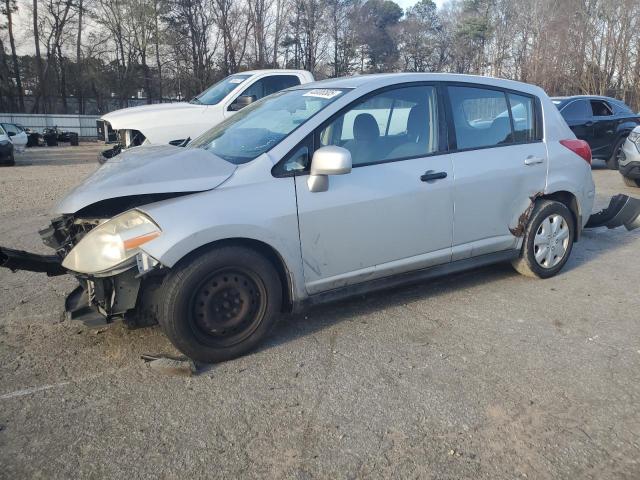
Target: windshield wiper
195,100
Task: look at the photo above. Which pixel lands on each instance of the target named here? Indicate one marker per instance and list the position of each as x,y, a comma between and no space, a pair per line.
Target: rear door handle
533,160
431,175
588,124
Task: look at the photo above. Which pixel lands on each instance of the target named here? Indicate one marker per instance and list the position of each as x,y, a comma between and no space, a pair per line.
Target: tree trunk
41,92
157,45
79,69
14,56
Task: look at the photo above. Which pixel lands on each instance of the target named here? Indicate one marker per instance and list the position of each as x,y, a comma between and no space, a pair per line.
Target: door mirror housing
241,102
11,134
329,160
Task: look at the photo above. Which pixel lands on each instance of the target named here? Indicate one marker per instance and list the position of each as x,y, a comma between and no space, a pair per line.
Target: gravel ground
484,375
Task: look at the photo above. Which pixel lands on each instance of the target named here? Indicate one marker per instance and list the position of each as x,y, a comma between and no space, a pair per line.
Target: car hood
134,117
148,170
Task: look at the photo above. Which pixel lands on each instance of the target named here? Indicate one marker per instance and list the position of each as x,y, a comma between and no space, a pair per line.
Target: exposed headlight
634,137
111,244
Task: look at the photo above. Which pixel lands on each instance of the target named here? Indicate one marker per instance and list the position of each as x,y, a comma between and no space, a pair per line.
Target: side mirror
329,160
241,102
12,134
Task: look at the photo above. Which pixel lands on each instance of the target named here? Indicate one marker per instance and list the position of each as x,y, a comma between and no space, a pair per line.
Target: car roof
270,70
585,97
379,80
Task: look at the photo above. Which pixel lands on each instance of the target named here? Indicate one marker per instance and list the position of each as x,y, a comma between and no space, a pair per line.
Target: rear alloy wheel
617,155
548,240
220,304
630,182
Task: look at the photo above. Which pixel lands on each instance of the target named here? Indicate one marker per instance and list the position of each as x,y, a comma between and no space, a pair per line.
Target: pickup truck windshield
260,126
215,93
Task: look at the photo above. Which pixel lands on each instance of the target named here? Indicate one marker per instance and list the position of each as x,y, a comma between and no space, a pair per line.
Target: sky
410,3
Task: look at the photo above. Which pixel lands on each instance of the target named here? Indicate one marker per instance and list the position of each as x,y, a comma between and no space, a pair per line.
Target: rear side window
601,108
576,110
480,117
522,112
272,84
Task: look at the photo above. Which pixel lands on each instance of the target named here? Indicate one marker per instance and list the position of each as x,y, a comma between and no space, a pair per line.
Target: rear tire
614,161
220,304
630,182
548,240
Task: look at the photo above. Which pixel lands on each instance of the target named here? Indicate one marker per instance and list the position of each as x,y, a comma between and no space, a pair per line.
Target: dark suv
602,121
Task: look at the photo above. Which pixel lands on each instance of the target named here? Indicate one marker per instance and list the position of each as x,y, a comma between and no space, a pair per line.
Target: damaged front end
127,292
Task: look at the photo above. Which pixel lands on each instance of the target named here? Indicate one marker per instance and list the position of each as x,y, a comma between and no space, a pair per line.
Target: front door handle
533,160
431,175
589,124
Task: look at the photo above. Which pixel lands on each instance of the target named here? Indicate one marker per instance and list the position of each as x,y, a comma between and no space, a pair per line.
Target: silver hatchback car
319,192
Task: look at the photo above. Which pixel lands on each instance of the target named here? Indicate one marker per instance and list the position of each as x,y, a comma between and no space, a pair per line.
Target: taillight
579,147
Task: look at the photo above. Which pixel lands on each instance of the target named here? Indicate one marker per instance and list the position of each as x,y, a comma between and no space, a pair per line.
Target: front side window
10,128
218,91
262,125
391,125
2,132
600,108
480,117
271,84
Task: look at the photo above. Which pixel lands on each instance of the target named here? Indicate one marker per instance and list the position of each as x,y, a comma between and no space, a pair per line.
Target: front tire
548,240
614,161
630,182
220,304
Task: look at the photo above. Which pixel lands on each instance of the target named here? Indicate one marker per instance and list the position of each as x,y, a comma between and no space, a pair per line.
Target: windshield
260,126
215,93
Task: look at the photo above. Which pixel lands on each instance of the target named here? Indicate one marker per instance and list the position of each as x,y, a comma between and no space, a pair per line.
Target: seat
417,139
366,136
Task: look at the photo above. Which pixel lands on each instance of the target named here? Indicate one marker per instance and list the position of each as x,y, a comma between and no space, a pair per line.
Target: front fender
264,211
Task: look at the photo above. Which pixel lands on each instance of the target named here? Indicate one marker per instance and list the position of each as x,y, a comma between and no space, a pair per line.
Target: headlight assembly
112,243
634,137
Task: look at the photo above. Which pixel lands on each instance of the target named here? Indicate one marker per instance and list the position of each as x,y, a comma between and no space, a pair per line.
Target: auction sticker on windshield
322,93
236,80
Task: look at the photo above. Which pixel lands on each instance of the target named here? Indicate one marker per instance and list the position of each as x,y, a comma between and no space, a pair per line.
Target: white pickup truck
176,122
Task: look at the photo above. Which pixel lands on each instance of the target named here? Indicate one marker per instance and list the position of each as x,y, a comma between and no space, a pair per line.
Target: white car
629,162
17,135
326,190
6,149
175,122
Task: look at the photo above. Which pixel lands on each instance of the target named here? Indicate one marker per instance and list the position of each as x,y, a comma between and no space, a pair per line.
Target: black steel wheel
220,304
227,306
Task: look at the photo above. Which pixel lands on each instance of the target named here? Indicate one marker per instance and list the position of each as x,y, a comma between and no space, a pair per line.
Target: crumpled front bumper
96,301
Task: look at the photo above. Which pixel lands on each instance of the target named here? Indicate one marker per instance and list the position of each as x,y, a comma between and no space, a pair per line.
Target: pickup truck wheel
630,182
548,240
221,304
616,156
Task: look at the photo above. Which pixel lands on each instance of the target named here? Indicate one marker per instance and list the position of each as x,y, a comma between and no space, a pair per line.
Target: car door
393,212
500,166
578,115
604,128
263,87
16,136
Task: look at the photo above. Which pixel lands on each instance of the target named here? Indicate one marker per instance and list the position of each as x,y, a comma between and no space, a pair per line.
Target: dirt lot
482,375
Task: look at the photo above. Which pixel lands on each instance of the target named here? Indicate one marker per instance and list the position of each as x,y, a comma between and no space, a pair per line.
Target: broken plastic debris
171,366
